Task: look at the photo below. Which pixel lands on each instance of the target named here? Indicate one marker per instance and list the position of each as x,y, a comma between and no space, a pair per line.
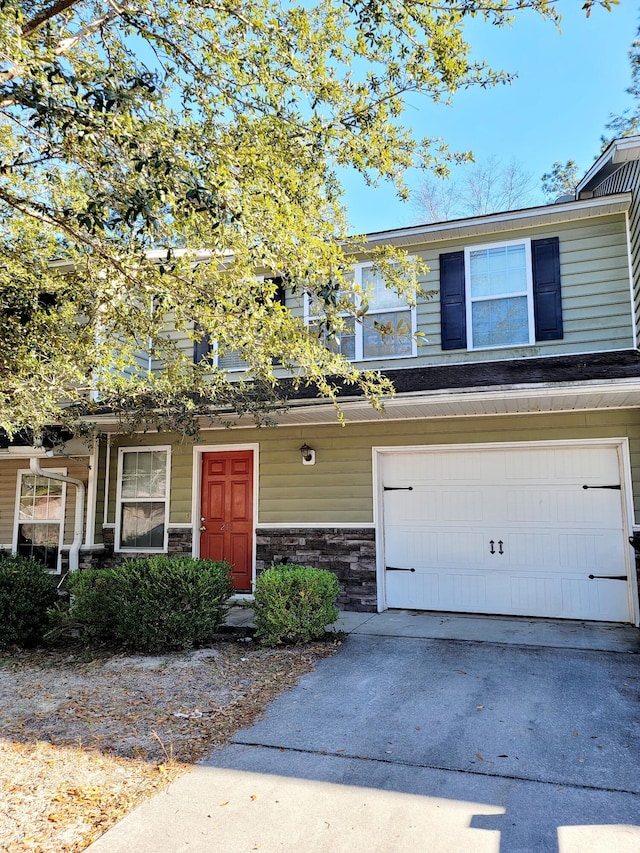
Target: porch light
308,455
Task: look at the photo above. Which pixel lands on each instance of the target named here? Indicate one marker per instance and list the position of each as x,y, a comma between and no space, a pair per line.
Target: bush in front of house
27,591
294,604
154,604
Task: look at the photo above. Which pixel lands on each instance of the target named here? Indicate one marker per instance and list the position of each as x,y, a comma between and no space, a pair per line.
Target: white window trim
310,318
119,499
526,242
16,515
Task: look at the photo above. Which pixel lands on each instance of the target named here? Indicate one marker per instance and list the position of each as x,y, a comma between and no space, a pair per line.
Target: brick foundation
350,553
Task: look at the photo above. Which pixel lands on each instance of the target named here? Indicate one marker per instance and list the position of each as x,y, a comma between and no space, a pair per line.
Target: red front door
227,512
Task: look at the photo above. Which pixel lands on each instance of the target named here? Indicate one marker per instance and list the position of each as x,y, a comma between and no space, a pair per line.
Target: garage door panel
523,505
598,552
462,591
594,600
530,503
527,591
433,549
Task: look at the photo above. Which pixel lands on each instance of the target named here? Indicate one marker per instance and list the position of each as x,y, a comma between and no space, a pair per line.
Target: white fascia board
620,151
554,213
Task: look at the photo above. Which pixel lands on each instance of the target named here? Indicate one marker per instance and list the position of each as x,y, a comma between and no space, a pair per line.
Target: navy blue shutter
201,348
547,297
453,308
281,289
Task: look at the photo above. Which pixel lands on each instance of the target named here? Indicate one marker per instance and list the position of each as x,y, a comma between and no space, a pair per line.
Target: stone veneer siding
350,553
180,542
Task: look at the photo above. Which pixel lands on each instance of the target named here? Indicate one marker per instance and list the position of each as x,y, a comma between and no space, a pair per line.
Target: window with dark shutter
201,348
499,297
547,297
453,309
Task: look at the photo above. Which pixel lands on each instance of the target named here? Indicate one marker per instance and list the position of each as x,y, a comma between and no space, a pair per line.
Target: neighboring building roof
619,152
508,220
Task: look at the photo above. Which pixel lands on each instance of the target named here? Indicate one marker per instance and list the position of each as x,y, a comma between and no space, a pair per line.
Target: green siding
596,298
596,302
338,488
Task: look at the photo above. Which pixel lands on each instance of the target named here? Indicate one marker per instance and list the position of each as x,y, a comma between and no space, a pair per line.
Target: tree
628,122
561,180
564,179
158,156
486,187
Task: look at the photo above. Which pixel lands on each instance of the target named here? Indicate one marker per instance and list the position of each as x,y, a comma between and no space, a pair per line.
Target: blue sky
568,84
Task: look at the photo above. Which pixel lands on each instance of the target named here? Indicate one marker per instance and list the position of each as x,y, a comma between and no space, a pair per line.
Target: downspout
74,550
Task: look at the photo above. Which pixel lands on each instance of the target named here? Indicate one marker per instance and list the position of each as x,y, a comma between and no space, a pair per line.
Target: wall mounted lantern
308,455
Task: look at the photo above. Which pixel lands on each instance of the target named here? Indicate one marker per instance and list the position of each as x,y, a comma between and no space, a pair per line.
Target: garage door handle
617,488
609,577
398,569
397,488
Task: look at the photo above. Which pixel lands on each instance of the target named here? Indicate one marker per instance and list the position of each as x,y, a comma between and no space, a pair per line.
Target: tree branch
62,47
46,15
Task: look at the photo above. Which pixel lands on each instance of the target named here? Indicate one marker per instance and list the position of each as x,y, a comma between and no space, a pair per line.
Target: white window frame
358,269
528,292
16,515
120,500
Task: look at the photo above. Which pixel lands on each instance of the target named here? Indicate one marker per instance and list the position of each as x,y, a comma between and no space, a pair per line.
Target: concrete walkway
408,742
554,633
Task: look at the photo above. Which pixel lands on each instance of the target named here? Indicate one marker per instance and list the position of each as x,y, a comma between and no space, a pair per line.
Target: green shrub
294,604
27,591
152,605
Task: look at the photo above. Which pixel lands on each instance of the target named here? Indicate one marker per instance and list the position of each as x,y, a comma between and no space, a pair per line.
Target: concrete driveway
412,744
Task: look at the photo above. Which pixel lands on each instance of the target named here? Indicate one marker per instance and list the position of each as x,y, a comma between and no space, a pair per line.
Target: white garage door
507,530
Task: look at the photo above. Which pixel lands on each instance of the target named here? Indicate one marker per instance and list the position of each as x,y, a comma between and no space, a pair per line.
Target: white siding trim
92,496
634,319
322,525
107,473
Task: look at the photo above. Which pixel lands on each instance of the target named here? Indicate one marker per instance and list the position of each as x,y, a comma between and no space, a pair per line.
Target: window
364,340
499,301
232,360
501,295
39,518
142,499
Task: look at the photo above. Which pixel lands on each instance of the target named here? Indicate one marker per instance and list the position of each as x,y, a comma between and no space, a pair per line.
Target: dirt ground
85,736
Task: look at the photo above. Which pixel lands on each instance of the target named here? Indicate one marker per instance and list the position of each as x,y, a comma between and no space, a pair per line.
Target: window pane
144,474
343,342
232,361
376,291
498,271
40,498
397,342
500,322
158,486
40,541
142,525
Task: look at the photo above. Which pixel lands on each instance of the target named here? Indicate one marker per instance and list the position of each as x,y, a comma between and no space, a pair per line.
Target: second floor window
501,295
386,331
499,307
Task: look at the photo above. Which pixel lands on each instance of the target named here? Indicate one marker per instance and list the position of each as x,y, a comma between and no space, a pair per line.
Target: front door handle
202,527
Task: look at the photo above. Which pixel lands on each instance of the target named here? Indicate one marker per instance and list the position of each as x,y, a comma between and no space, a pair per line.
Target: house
503,477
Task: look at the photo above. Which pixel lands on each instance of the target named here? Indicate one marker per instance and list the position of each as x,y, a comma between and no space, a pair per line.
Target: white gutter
74,551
